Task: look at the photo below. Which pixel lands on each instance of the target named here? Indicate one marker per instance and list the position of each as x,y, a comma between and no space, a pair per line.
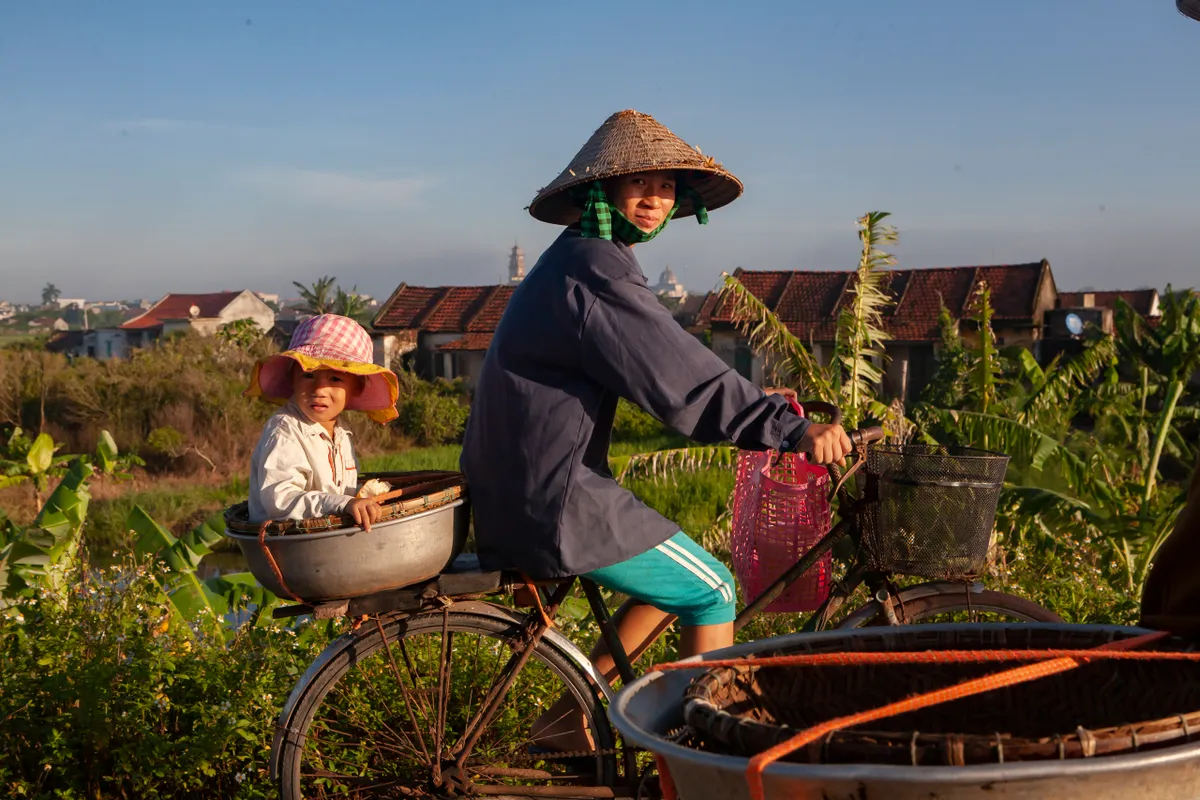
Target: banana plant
29,460
1103,481
42,555
205,602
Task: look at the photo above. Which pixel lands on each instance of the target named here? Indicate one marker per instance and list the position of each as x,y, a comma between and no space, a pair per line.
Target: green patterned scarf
601,221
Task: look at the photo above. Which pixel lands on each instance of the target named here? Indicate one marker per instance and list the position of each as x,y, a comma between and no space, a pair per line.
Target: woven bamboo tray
423,491
1101,708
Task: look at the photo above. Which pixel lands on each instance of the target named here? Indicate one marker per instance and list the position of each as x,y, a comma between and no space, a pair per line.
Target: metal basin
349,562
651,707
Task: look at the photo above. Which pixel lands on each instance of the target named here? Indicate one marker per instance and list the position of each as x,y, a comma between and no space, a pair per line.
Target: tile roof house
1143,301
809,302
443,330
1075,311
177,313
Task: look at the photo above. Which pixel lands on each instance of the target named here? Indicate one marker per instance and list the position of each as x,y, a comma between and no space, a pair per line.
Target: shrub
109,695
431,418
242,333
165,440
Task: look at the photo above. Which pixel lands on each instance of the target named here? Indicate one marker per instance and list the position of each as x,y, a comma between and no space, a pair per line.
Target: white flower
241,776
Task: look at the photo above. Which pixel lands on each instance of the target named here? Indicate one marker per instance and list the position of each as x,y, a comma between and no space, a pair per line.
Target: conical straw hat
629,142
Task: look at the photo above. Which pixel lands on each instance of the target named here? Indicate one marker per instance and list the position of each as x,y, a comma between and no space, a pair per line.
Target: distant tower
516,264
669,285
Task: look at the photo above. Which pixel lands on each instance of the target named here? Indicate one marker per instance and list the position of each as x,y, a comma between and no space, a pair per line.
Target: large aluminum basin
349,562
651,707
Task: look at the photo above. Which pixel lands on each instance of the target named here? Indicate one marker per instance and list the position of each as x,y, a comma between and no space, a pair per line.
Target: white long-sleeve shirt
299,471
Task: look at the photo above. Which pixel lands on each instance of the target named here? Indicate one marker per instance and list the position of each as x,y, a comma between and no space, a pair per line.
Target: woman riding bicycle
582,330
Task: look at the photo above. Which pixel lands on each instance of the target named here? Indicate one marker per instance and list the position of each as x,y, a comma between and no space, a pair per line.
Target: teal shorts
679,577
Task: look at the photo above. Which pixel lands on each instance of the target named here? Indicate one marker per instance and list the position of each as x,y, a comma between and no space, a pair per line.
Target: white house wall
247,306
386,348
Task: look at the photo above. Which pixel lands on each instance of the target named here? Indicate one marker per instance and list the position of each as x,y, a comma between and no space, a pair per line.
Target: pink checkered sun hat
330,341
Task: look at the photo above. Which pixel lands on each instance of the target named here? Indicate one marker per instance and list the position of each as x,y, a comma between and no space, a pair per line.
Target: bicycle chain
563,754
673,735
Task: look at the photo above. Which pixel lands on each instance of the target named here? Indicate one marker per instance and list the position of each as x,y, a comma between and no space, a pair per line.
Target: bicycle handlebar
865,436
821,407
858,438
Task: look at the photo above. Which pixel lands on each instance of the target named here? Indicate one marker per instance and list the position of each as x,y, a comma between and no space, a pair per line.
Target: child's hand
365,511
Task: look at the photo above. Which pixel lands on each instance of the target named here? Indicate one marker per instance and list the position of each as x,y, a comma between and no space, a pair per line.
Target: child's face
322,394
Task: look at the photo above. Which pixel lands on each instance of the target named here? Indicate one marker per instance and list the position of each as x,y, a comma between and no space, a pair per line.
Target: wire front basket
930,509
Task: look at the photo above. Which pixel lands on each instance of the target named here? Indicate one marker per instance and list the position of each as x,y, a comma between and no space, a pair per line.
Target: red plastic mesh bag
779,512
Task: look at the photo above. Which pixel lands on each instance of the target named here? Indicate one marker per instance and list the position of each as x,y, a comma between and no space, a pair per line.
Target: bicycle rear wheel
918,606
382,718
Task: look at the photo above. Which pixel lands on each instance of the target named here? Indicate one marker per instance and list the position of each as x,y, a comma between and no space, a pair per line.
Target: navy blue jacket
581,330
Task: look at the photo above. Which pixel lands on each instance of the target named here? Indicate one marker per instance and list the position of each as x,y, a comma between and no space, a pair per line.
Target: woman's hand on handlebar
790,394
827,444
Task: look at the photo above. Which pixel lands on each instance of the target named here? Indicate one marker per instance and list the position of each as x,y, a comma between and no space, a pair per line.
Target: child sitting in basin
304,464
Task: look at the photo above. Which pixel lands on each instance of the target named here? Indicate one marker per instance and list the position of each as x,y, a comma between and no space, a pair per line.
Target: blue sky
191,146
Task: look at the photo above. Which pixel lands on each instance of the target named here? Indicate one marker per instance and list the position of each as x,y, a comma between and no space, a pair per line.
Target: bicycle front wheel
951,603
388,713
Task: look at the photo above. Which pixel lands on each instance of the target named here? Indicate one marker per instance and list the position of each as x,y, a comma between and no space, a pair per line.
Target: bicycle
391,708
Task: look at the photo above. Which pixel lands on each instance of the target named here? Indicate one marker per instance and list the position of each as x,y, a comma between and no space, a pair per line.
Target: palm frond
767,333
661,464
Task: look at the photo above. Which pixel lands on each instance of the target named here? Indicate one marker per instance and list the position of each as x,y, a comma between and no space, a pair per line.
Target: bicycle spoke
391,714
444,683
468,695
407,696
414,673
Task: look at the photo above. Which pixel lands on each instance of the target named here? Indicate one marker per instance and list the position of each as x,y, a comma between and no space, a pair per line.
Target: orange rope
278,573
754,771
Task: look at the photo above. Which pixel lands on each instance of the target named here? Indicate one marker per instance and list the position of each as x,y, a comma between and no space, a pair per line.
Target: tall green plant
852,377
984,374
861,335
945,389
